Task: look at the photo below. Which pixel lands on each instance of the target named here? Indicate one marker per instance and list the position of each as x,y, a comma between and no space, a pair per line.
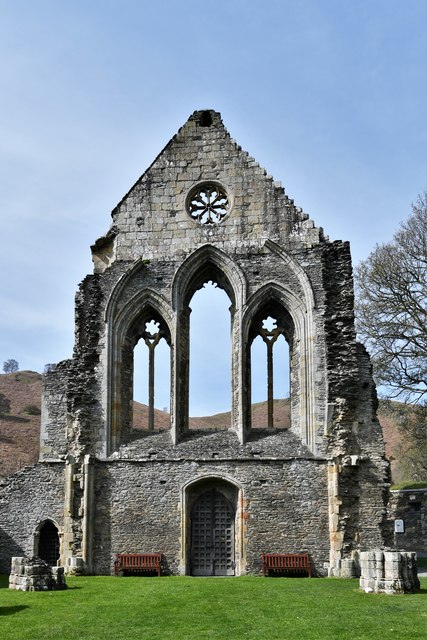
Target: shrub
32,410
4,404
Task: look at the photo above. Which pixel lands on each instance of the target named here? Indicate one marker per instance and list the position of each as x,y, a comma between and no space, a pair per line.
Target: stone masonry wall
151,220
139,508
410,505
54,415
27,498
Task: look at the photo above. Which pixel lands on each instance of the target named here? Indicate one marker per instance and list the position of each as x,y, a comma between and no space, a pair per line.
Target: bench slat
138,562
286,563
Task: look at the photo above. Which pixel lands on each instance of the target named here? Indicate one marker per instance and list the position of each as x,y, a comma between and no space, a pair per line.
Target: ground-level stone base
389,572
33,574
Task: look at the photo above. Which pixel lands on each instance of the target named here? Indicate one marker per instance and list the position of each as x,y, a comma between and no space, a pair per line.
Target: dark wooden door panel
212,535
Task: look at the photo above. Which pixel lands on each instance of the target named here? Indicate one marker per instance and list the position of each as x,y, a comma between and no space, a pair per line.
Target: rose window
208,204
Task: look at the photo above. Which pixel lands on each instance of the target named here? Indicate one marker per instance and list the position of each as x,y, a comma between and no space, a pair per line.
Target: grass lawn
185,608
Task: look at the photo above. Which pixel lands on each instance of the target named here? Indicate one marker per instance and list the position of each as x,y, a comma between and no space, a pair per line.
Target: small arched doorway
49,543
212,530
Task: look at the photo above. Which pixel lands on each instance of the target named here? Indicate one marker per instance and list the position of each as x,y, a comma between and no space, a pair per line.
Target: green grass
181,608
409,485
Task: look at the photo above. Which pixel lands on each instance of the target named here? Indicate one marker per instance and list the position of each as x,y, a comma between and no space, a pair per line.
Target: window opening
269,373
49,543
258,373
210,358
151,378
208,203
281,369
205,119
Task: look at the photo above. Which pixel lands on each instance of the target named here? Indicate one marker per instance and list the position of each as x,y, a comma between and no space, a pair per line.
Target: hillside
19,431
218,420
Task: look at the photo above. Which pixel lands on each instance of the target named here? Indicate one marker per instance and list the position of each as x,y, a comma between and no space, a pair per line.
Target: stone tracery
208,203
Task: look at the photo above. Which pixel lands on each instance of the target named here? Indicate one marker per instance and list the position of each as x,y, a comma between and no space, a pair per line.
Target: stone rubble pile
34,574
389,572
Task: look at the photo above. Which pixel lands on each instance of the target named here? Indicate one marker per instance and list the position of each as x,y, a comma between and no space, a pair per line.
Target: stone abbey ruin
211,501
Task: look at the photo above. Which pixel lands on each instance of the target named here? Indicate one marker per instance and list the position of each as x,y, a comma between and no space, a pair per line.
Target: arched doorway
49,543
212,549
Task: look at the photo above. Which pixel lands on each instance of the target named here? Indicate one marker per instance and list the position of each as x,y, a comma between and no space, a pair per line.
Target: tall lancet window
151,378
270,336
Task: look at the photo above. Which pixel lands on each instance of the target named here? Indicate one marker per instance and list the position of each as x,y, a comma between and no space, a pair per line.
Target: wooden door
212,535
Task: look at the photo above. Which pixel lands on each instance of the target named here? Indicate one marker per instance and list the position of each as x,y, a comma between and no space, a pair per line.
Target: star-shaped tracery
208,204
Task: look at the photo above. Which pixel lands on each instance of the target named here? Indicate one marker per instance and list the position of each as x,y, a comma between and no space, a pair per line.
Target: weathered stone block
35,575
393,572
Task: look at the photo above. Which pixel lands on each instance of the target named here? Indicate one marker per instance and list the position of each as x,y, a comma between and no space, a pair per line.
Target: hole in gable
205,119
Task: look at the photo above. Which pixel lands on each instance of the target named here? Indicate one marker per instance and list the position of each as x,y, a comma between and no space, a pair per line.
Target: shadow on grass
9,611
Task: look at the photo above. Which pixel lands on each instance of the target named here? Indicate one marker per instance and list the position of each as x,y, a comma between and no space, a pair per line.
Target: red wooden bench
285,563
138,563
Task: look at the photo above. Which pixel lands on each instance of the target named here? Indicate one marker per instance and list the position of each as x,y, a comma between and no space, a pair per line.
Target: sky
328,95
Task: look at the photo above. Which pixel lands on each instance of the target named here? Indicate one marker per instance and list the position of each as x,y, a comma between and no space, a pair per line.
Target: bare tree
391,316
392,308
10,366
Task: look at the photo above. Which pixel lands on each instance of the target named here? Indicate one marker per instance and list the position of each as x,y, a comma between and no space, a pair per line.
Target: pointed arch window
209,333
150,337
204,271
272,326
146,333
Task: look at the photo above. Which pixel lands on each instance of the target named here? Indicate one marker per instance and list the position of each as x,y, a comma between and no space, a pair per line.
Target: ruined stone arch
205,264
191,493
119,289
268,255
123,326
276,299
297,270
